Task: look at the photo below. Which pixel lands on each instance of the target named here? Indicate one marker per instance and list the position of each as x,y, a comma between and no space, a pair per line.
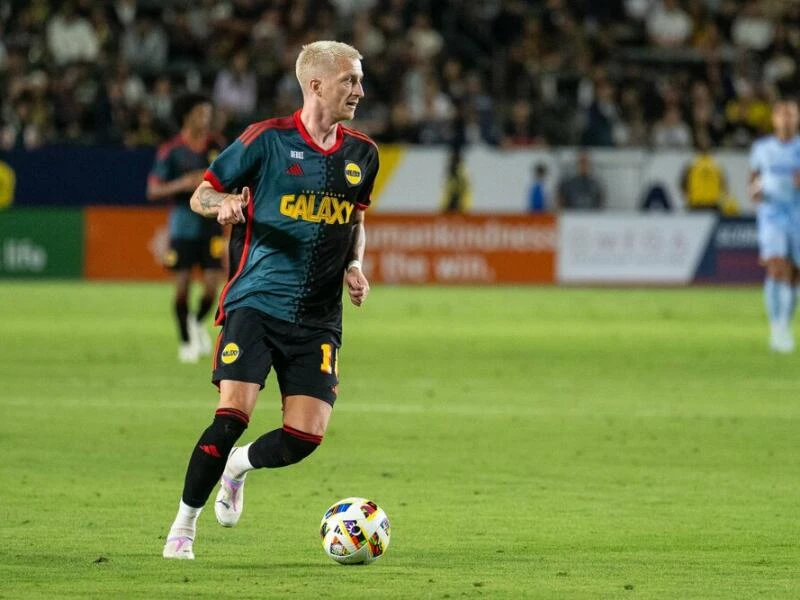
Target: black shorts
184,254
306,359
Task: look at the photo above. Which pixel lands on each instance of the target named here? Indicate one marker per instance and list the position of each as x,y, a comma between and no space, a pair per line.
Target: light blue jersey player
775,185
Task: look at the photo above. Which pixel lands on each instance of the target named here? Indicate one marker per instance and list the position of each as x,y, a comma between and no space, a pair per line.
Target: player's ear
315,85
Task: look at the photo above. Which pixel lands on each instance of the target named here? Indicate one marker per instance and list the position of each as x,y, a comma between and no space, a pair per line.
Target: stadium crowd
659,73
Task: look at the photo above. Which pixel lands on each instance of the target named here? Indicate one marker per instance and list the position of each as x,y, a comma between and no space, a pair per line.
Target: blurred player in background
774,184
178,170
295,189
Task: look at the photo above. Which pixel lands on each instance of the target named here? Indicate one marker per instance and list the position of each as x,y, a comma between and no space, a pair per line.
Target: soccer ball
355,531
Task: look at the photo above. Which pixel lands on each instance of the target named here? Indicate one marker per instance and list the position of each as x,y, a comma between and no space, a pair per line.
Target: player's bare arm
357,284
227,208
158,190
754,187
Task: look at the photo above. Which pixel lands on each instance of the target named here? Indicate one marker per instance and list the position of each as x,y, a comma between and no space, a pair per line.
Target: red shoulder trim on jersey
361,136
310,141
168,146
255,129
248,238
360,206
213,180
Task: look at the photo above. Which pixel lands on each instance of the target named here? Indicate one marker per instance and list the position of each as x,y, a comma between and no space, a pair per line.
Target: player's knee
297,445
779,269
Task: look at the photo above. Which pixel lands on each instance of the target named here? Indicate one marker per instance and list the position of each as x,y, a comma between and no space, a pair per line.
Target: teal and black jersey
288,258
174,159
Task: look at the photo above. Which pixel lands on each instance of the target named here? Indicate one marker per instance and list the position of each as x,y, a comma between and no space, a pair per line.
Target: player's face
785,119
343,89
200,117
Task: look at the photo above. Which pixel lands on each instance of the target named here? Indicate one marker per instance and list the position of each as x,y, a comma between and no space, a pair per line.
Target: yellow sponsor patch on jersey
352,173
230,353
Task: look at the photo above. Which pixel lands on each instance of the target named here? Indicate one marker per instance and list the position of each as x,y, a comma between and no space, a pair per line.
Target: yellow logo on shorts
170,258
230,353
216,246
352,172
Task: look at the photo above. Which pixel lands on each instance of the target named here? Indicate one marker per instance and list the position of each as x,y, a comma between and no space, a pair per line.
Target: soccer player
179,168
295,190
774,183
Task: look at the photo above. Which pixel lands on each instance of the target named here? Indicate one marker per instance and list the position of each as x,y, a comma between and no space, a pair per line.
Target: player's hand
231,210
756,189
357,285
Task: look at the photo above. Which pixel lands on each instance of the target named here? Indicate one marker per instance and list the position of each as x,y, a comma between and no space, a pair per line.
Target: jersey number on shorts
330,362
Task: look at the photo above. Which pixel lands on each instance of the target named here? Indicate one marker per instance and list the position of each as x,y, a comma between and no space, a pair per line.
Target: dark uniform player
296,240
178,170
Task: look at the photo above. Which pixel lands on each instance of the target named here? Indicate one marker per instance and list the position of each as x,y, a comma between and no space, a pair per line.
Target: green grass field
541,443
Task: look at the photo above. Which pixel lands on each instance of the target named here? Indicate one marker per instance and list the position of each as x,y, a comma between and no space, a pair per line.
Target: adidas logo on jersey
295,169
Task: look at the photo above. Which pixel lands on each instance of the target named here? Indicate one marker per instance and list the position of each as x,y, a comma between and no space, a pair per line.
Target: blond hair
317,57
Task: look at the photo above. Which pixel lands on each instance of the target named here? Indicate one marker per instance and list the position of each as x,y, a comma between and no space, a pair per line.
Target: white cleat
187,354
199,337
229,504
781,340
178,546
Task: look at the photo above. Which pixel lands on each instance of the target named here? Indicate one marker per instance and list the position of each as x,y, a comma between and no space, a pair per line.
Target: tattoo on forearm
209,199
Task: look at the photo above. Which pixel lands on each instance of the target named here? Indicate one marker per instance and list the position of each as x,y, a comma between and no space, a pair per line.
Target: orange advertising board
126,243
466,249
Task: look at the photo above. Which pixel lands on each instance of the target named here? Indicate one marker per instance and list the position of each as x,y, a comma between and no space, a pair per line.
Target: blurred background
538,141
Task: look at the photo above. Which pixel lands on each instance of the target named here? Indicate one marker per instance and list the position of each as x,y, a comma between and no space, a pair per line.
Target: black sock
206,302
182,313
210,455
282,447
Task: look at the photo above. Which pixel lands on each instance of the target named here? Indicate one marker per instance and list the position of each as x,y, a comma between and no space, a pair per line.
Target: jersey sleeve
365,193
162,167
236,165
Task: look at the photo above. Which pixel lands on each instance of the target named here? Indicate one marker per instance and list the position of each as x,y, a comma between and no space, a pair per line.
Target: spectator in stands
520,128
668,25
144,131
457,196
705,119
671,131
21,132
582,190
125,12
751,29
368,38
160,101
703,181
602,117
130,85
435,114
780,66
574,60
632,129
478,111
747,116
145,44
424,41
236,89
70,37
538,195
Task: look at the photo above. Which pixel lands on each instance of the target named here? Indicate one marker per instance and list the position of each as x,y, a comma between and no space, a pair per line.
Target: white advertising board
620,248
